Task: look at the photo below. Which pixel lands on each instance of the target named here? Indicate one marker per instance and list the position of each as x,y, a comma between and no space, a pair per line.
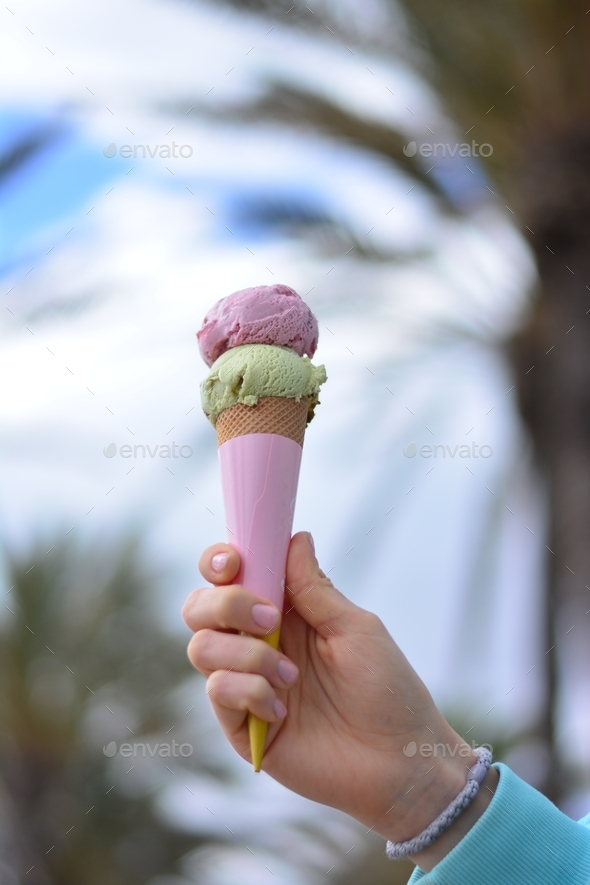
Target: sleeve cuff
521,839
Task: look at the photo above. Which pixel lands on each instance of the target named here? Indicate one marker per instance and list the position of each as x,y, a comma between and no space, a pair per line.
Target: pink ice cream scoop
260,315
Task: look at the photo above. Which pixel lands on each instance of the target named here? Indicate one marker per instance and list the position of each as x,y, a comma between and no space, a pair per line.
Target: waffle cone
271,414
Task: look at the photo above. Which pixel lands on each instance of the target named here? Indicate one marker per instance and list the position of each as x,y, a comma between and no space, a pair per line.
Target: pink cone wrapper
259,476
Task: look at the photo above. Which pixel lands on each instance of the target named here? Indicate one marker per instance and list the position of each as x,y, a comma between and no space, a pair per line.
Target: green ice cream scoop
246,373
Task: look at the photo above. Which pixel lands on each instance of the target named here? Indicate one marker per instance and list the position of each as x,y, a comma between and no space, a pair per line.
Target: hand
341,699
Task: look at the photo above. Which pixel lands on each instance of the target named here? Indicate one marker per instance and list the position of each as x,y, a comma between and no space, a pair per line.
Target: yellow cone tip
257,731
257,728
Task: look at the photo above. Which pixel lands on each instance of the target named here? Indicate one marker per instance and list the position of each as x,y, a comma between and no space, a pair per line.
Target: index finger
230,608
219,564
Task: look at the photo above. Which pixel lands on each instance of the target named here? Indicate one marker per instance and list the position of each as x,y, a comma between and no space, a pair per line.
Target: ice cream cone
260,393
272,414
260,451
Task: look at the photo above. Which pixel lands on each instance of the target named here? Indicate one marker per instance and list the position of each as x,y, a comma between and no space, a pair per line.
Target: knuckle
259,689
227,607
255,657
370,622
201,645
190,606
213,686
191,654
219,684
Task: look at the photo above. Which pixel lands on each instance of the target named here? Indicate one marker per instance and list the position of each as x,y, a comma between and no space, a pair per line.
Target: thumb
311,593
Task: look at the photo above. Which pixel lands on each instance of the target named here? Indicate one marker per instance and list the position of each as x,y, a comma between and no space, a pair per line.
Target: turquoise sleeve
521,839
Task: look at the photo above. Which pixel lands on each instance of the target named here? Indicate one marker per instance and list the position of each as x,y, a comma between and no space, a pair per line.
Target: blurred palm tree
517,74
513,75
84,660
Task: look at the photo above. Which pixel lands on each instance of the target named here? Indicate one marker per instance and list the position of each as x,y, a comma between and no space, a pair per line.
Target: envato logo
427,750
448,150
145,451
148,750
145,150
440,451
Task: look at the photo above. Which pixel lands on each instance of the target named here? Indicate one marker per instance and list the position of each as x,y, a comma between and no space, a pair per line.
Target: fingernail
279,709
287,671
311,543
219,561
264,615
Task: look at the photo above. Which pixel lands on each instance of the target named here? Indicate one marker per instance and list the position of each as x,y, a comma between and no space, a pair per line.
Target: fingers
311,593
233,695
219,564
210,651
308,590
230,608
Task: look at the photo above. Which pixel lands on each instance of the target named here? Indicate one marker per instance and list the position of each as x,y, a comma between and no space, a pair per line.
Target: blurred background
419,173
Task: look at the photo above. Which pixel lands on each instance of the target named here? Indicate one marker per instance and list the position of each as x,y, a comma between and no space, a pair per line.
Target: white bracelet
475,778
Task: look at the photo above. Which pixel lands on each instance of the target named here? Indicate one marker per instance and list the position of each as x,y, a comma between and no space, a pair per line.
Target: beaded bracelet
475,778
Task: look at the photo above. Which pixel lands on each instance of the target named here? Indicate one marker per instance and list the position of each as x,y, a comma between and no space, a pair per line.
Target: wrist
434,777
432,855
